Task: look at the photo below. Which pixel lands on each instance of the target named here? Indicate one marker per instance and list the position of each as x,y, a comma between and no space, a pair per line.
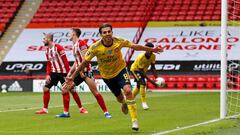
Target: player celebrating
112,68
57,69
79,50
139,69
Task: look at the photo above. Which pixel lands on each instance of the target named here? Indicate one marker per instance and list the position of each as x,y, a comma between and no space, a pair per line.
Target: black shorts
78,80
117,83
55,78
139,77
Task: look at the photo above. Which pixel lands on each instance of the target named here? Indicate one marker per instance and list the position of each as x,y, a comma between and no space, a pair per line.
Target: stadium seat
218,85
188,10
200,85
171,85
181,85
191,82
210,85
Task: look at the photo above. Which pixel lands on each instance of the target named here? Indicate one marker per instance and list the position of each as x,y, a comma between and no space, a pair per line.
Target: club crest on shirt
109,52
87,53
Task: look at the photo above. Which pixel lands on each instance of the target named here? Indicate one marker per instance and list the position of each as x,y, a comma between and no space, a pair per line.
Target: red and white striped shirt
78,49
57,61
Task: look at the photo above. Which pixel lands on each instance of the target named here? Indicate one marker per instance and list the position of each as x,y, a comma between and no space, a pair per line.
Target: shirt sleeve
62,53
89,54
125,43
83,45
61,50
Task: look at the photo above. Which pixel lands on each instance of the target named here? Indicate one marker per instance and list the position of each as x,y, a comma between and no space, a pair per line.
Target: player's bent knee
127,88
45,89
95,93
120,98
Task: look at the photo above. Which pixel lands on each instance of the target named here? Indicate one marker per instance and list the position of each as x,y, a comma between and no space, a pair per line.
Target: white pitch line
33,108
186,127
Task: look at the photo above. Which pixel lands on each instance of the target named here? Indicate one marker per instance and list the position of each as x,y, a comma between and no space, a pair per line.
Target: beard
46,44
148,55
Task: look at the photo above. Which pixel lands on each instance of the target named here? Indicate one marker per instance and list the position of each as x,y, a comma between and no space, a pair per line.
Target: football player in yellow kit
112,68
139,69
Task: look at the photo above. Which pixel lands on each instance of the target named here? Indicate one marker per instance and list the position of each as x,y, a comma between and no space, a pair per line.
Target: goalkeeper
139,69
112,68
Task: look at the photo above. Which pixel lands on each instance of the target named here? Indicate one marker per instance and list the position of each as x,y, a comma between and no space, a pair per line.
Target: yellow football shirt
142,62
109,59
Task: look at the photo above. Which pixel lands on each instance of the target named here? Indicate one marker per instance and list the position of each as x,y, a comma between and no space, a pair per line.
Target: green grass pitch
167,111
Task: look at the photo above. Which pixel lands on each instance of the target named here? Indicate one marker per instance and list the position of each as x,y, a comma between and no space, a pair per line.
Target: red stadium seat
180,18
154,18
210,85
191,82
200,85
172,18
171,84
218,85
190,85
198,18
181,85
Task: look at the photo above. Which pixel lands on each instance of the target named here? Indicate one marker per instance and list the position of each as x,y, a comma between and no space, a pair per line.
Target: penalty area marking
186,127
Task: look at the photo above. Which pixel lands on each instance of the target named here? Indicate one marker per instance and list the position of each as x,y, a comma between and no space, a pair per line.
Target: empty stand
8,9
92,11
186,10
129,10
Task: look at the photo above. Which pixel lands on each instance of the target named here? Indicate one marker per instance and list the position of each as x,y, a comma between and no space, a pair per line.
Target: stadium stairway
22,18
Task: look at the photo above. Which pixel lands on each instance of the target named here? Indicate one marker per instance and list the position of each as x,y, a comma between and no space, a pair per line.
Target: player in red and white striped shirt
57,69
79,50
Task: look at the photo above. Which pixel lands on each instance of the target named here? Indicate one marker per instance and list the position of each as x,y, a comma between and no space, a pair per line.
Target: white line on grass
33,108
195,125
186,127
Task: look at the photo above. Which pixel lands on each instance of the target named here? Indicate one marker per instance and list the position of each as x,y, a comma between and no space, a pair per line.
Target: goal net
233,68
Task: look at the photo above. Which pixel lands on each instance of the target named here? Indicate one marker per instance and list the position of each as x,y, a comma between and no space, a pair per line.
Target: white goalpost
230,67
223,95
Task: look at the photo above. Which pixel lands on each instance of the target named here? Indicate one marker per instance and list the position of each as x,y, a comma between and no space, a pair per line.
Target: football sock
142,93
135,91
66,100
132,108
101,102
77,99
46,98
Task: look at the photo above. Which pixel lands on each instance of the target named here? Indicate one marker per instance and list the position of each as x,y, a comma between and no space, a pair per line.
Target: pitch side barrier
174,83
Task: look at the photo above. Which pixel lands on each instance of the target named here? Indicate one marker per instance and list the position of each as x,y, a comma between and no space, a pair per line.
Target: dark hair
104,25
77,31
149,45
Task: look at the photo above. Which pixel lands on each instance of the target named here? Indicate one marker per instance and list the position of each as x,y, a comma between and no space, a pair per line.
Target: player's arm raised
137,47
